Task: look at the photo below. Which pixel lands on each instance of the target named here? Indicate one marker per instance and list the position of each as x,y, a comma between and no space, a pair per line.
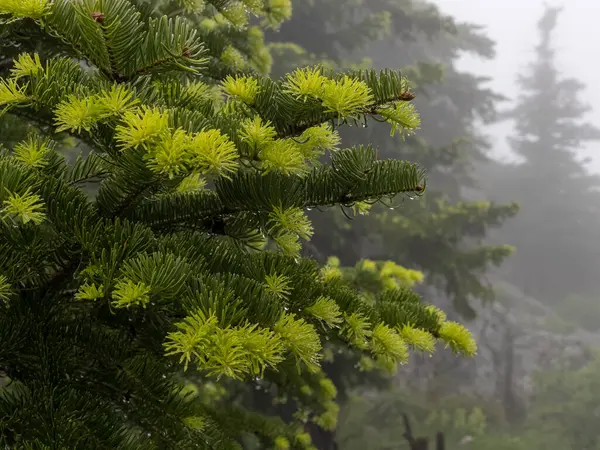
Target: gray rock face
517,336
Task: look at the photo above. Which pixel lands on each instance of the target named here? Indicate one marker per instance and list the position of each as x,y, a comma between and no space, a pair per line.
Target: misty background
511,24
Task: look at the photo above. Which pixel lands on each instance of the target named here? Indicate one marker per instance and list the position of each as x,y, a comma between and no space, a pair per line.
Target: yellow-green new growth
314,140
26,207
170,155
301,338
327,311
277,11
144,125
388,346
194,334
243,88
441,315
26,65
127,294
191,5
357,330
237,352
90,292
76,114
33,151
402,116
195,422
236,14
331,271
361,208
33,9
283,156
305,83
281,443
83,113
11,93
303,440
288,243
233,57
458,338
190,184
278,285
346,97
257,134
328,420
327,389
292,220
404,277
117,100
234,352
254,6
213,153
417,338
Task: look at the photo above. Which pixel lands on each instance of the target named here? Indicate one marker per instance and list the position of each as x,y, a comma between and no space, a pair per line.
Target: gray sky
512,24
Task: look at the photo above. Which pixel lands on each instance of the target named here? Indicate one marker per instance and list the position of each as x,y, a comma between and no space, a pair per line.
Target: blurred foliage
562,415
581,311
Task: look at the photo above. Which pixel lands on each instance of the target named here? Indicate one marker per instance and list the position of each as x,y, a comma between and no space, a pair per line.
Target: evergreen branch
324,186
104,293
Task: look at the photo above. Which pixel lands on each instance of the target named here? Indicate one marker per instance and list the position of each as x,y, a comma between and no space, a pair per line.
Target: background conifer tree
555,234
129,310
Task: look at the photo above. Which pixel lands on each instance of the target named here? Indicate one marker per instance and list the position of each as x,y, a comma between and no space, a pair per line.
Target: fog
511,24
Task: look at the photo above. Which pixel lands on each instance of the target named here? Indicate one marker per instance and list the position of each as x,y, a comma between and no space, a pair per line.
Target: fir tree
557,233
128,314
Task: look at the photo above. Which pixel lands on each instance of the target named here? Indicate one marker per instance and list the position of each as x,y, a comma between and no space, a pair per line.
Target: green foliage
123,306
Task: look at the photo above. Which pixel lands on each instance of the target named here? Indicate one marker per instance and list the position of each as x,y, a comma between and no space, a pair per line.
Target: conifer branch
123,305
